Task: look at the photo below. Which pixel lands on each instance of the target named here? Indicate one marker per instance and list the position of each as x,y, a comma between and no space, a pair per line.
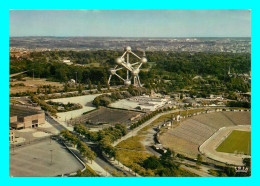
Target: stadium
220,136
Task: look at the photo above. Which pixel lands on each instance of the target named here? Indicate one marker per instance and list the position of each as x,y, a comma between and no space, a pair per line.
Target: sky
131,23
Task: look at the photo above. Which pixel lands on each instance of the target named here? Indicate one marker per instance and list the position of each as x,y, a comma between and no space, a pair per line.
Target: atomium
133,68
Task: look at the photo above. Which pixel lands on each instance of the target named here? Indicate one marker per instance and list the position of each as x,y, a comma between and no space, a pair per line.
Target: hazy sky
131,23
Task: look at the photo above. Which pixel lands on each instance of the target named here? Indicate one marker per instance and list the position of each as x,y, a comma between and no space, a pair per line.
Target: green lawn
237,141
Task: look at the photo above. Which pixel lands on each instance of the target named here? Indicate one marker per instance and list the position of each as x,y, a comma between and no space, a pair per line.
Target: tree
80,88
86,151
74,140
230,171
91,155
99,86
64,133
50,89
150,173
152,163
93,136
81,129
79,173
135,168
167,156
122,128
107,84
199,159
61,73
89,84
66,88
247,162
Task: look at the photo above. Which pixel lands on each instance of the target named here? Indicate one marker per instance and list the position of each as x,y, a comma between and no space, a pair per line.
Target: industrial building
148,107
147,103
22,117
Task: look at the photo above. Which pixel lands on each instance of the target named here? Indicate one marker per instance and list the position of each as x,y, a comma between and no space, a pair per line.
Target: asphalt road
54,123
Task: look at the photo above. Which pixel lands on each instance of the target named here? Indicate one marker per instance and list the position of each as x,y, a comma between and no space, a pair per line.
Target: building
190,101
146,103
216,97
67,61
147,107
22,117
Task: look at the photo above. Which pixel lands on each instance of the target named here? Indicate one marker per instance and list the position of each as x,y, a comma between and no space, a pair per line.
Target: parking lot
110,116
44,159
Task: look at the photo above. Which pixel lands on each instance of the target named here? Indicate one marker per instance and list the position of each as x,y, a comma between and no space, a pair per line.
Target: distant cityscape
229,45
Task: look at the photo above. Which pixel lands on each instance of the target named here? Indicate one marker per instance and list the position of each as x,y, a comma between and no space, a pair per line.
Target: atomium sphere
127,82
119,60
135,71
128,48
143,60
112,71
129,65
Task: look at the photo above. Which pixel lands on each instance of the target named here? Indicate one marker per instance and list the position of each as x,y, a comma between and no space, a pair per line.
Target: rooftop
22,111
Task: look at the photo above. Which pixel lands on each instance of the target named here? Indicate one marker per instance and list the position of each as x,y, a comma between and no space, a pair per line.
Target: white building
67,61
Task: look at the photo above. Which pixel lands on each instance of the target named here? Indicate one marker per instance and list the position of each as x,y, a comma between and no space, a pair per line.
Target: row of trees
104,137
239,104
43,104
106,99
147,117
66,107
164,166
81,146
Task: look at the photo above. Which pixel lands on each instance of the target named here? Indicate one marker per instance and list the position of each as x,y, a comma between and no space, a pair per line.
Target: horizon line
145,36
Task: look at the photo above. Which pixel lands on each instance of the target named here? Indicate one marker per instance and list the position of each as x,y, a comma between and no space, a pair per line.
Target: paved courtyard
36,160
85,101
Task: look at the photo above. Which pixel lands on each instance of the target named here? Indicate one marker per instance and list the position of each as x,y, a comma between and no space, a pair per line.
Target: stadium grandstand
193,132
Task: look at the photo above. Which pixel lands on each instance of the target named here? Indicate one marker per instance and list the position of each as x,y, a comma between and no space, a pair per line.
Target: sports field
236,142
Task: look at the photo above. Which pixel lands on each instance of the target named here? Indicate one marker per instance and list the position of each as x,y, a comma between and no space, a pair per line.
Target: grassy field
32,85
132,143
237,141
133,157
